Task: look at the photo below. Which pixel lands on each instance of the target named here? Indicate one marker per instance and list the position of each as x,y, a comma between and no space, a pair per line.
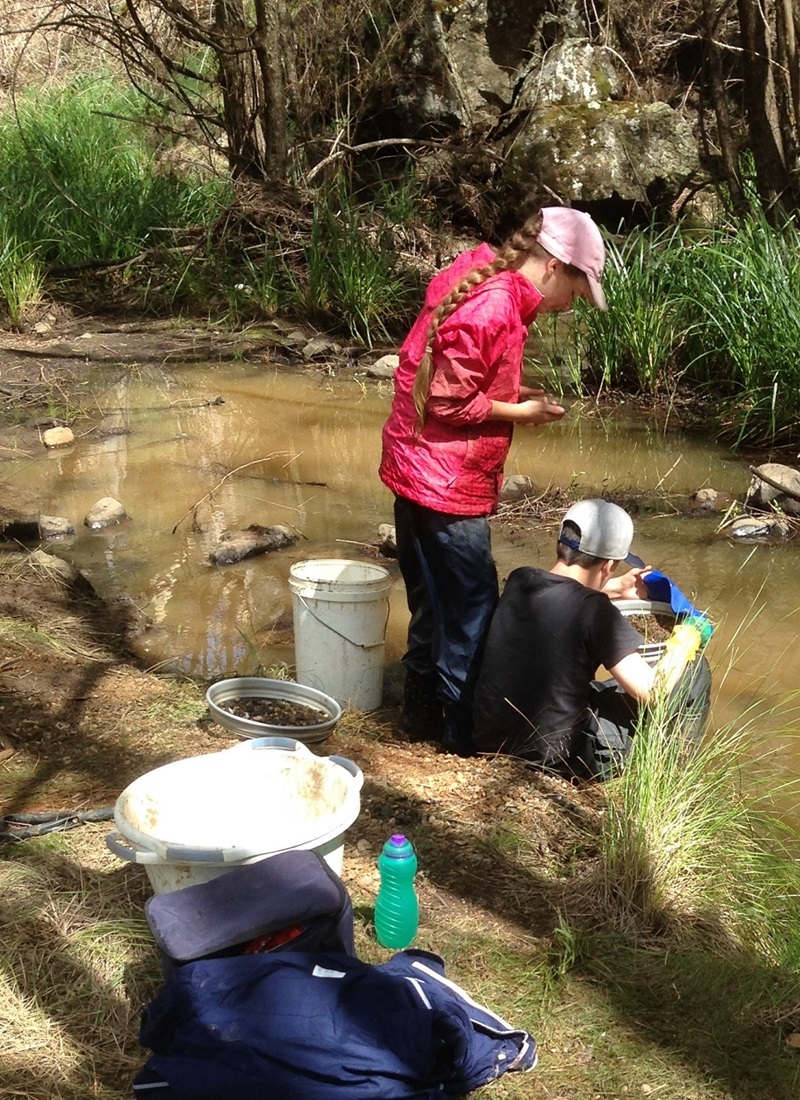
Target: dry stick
661,480
230,473
341,150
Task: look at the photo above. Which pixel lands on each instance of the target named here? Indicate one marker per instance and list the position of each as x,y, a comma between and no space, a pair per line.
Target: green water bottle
396,906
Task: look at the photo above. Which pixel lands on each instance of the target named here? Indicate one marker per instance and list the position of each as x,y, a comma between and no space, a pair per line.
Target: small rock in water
104,513
785,492
514,487
237,545
757,529
56,567
384,367
386,533
58,437
54,527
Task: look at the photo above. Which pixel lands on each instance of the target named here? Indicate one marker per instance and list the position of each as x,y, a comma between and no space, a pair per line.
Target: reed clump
692,847
716,312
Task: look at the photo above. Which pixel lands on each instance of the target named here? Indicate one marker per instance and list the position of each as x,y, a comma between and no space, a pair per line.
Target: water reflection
306,450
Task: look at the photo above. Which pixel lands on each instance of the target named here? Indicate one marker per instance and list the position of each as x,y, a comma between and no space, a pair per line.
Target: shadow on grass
71,1007
723,1014
53,706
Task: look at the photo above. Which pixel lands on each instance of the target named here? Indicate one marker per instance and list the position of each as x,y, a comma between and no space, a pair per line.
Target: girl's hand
536,410
539,411
526,393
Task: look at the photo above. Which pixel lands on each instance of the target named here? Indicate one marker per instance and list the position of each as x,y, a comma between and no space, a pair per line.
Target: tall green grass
80,177
692,845
21,281
718,312
344,274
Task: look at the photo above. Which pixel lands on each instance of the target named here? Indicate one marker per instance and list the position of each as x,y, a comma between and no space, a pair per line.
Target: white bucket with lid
192,820
340,610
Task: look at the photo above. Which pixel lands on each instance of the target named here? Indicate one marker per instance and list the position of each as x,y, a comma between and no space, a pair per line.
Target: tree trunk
242,94
269,49
716,91
767,123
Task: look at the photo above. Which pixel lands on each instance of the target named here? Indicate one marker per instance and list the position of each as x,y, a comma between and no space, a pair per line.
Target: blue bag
290,900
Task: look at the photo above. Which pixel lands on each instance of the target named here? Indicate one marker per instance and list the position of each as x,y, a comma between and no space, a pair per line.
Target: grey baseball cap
606,530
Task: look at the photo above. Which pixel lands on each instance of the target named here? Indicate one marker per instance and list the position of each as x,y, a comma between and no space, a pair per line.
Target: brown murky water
313,443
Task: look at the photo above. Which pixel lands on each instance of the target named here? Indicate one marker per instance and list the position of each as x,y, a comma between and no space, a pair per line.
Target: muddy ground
81,717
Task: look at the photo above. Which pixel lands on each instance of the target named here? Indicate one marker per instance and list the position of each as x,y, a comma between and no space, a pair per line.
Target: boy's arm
635,676
628,586
639,680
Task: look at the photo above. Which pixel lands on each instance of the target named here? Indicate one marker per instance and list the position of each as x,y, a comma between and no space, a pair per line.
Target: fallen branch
244,466
340,150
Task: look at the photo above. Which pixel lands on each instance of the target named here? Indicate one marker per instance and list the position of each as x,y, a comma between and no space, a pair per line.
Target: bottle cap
398,846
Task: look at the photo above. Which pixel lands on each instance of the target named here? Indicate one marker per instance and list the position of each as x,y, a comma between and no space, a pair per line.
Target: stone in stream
55,567
54,527
58,437
757,529
784,494
105,513
384,367
514,488
34,528
235,546
388,539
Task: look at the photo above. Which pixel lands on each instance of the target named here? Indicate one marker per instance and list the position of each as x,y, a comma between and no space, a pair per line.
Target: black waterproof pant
452,591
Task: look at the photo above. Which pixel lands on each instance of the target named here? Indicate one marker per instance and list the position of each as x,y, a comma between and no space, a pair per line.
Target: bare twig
244,466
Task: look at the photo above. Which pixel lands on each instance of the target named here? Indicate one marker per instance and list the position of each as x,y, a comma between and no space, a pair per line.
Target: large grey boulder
572,71
774,485
524,85
586,152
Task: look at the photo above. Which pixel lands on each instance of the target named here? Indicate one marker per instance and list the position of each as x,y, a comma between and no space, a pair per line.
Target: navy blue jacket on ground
317,1026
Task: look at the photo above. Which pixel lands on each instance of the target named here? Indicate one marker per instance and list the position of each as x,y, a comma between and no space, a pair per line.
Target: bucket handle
351,767
338,633
121,848
298,746
161,854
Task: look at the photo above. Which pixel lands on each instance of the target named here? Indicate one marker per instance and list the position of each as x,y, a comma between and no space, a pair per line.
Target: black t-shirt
546,641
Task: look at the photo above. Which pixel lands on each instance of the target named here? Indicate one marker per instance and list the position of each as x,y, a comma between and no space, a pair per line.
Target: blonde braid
511,255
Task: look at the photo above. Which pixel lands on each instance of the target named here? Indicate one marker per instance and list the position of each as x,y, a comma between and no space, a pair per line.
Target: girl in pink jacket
458,394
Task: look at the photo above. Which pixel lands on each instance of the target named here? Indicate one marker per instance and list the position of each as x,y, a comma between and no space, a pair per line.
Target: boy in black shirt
537,695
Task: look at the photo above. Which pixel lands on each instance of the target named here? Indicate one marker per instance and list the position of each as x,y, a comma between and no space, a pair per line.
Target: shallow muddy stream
306,450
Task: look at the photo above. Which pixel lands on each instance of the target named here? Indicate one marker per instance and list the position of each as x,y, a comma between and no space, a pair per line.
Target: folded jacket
322,1026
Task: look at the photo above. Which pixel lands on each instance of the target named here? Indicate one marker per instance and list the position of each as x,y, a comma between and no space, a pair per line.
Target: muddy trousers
452,591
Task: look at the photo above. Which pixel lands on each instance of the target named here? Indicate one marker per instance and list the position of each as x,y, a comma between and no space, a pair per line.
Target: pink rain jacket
456,464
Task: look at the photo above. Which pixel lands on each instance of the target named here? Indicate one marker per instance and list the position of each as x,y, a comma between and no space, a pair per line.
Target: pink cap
572,237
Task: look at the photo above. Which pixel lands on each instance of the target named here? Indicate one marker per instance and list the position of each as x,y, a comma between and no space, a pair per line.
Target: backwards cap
572,237
605,530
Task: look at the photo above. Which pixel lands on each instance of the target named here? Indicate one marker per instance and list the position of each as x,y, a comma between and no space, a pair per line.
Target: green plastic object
397,906
702,625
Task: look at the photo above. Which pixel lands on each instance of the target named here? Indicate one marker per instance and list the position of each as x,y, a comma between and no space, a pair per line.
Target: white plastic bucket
190,821
340,611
